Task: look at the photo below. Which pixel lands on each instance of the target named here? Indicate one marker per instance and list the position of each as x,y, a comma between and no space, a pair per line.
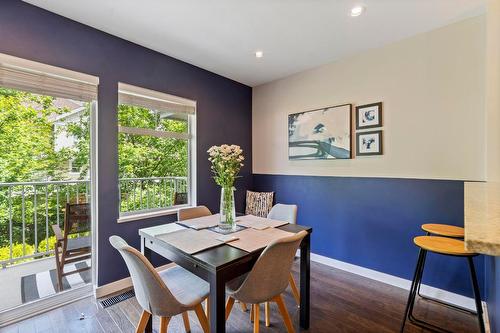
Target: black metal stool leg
418,283
418,290
477,294
413,288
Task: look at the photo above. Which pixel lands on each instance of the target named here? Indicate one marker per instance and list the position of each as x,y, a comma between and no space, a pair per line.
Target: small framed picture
369,143
369,116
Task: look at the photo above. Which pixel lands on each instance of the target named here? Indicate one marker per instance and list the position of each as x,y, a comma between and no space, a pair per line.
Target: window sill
147,215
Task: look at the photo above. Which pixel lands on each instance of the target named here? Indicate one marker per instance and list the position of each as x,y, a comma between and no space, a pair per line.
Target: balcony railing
28,209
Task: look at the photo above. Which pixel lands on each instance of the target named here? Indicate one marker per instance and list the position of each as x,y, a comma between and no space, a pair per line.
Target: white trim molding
440,294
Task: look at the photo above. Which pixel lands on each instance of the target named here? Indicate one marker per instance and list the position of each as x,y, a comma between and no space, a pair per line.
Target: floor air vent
117,299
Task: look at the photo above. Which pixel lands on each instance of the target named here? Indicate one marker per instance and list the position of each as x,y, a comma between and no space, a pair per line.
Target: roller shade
154,100
46,84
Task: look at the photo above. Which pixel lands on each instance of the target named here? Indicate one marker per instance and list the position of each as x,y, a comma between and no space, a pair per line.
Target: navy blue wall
224,106
493,292
371,222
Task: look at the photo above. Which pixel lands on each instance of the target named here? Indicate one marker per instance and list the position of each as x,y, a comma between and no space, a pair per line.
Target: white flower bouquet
227,161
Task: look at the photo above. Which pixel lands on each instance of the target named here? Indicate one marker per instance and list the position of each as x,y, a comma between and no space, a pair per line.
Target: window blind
46,83
154,100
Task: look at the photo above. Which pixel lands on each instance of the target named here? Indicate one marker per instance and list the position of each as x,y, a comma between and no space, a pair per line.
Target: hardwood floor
341,302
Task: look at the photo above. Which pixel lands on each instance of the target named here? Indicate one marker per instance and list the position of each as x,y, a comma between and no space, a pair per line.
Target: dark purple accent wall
493,292
223,114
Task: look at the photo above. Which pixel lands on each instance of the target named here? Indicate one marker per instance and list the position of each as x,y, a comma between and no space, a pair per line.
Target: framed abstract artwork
369,143
321,134
369,116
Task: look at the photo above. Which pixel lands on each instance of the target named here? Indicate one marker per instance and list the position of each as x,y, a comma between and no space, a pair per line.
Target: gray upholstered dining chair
166,293
192,213
267,280
286,213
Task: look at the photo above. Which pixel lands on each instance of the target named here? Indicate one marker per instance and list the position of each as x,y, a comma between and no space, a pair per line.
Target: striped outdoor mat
44,284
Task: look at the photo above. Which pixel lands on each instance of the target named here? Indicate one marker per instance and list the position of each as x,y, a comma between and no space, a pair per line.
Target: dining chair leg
284,314
143,321
185,319
164,324
243,307
295,290
202,318
229,306
207,307
266,312
256,318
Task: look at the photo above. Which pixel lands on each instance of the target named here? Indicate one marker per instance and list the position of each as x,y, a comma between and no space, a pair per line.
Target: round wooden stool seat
443,245
444,230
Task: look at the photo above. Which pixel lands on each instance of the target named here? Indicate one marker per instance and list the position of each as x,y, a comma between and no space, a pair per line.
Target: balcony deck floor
10,277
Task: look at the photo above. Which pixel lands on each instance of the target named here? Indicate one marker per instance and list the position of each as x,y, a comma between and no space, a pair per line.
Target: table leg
305,281
147,253
217,304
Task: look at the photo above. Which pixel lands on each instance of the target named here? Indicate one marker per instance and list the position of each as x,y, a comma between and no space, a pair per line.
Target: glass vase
227,220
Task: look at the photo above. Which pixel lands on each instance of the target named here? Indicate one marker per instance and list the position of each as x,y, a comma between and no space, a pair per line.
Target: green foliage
42,247
17,251
150,156
28,153
26,138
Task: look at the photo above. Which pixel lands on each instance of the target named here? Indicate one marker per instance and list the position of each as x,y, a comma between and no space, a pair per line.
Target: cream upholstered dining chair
267,280
166,293
192,213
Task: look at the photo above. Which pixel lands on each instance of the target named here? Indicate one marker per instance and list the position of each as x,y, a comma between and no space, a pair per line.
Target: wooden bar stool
444,230
444,246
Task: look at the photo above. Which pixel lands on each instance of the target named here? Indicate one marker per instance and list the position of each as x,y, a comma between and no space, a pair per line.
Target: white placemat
259,223
191,241
201,222
251,239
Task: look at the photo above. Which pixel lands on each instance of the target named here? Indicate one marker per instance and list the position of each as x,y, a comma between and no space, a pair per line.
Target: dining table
220,264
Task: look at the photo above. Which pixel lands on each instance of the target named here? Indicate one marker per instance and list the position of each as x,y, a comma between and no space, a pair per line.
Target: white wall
493,89
432,86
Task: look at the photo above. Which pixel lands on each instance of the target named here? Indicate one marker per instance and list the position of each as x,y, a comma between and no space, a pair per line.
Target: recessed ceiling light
259,54
357,10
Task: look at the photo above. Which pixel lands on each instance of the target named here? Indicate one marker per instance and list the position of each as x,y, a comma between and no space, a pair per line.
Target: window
154,150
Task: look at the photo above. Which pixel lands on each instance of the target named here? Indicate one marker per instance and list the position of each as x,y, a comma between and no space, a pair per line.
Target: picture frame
321,134
369,143
369,116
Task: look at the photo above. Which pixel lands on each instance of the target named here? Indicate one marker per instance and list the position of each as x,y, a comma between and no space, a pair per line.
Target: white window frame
150,98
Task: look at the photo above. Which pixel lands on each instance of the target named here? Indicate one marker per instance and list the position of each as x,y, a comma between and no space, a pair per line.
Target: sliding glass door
45,191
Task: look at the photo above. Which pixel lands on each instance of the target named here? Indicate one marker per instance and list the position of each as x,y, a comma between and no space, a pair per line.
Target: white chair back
284,212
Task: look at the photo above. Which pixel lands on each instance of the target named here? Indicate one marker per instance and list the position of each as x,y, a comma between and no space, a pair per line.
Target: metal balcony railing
28,209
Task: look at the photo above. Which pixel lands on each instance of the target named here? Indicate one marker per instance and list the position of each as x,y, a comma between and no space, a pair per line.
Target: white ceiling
222,35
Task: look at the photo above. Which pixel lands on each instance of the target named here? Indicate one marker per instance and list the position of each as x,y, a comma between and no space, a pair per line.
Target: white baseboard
440,294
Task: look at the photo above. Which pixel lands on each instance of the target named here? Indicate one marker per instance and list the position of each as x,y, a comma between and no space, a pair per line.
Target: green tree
26,138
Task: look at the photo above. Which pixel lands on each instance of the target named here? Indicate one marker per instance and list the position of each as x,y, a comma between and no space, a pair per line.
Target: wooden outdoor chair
74,243
180,198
